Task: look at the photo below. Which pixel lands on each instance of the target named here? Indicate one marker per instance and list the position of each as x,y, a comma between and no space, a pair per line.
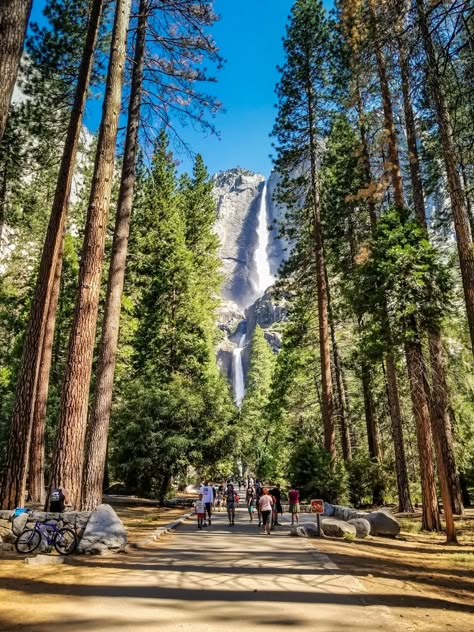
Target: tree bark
458,206
327,408
14,478
14,16
421,410
413,351
392,142
441,421
341,399
403,486
69,450
97,433
36,480
393,395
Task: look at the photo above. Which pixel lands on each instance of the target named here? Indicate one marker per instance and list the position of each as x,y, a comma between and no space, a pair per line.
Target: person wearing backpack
57,500
231,498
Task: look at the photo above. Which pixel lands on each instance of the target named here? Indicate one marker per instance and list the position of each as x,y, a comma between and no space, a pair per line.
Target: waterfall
238,372
265,277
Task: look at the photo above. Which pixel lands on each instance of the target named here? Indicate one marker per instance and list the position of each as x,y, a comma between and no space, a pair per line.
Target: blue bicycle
64,540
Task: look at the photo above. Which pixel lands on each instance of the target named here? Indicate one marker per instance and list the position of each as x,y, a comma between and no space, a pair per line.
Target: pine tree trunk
36,486
69,450
421,410
443,453
97,432
389,124
458,206
413,351
14,479
337,365
403,486
393,396
324,347
14,16
441,421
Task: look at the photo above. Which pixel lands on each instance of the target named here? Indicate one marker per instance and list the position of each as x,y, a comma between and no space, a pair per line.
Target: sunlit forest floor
426,585
416,564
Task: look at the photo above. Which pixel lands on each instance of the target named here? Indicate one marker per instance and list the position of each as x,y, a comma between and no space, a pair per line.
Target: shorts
208,507
295,508
251,508
266,517
201,515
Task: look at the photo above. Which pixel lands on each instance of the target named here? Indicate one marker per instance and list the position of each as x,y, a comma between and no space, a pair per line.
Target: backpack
56,495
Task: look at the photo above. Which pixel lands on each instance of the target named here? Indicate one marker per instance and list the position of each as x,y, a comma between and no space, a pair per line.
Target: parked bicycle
64,540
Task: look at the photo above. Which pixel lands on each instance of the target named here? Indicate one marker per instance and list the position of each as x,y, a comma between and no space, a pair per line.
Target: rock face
237,193
104,531
335,528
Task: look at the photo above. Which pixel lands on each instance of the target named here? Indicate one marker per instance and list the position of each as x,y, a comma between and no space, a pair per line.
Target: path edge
156,535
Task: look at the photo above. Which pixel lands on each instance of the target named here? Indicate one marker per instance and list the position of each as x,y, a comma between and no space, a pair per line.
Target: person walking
200,511
207,492
250,500
294,500
230,497
265,505
258,495
278,509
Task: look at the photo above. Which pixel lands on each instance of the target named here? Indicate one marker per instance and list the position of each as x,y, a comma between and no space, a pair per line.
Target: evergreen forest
110,275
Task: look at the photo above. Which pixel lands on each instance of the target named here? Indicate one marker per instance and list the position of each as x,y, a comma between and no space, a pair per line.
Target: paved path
221,579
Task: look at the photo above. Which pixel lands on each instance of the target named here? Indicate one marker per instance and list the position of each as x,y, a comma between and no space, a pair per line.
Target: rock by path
221,579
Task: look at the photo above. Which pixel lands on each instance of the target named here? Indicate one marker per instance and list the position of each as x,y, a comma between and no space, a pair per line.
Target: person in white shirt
200,510
207,492
265,504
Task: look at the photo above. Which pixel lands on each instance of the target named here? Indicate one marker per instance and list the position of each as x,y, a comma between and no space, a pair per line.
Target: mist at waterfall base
264,279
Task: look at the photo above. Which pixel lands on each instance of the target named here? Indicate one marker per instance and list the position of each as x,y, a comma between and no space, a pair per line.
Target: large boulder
337,528
362,526
383,522
306,530
104,530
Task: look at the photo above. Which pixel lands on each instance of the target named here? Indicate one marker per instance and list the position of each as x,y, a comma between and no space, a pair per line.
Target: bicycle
64,540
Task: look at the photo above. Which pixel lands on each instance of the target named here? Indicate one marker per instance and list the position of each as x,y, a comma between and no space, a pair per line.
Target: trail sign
317,506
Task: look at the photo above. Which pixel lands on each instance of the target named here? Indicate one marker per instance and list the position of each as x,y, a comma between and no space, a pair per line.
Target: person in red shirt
294,500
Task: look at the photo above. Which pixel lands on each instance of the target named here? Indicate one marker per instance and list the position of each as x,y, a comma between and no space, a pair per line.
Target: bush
366,480
311,471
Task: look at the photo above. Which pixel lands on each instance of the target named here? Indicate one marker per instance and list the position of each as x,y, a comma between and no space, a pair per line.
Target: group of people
215,496
266,500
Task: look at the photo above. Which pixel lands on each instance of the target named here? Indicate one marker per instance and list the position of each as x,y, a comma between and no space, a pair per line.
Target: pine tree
303,95
68,456
255,428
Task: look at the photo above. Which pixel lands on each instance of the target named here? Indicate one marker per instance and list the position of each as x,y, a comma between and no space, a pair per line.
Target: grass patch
410,526
466,559
150,518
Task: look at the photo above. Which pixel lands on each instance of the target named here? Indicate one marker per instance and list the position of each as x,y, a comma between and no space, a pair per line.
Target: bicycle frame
47,530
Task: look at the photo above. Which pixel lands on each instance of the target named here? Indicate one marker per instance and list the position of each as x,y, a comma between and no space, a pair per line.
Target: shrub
311,471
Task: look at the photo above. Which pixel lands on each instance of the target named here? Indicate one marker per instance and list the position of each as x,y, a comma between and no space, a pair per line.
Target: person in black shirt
276,493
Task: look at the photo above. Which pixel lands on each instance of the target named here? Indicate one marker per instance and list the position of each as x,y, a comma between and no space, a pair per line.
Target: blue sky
249,36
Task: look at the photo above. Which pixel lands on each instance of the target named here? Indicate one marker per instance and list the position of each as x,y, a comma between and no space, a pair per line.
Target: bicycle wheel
65,541
28,541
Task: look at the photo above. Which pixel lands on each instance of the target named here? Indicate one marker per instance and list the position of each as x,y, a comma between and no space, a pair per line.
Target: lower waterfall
238,372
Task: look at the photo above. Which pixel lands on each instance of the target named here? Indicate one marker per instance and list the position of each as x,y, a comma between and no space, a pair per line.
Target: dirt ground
427,585
433,582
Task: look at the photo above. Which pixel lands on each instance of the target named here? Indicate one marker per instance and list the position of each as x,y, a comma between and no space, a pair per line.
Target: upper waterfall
262,262
250,253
